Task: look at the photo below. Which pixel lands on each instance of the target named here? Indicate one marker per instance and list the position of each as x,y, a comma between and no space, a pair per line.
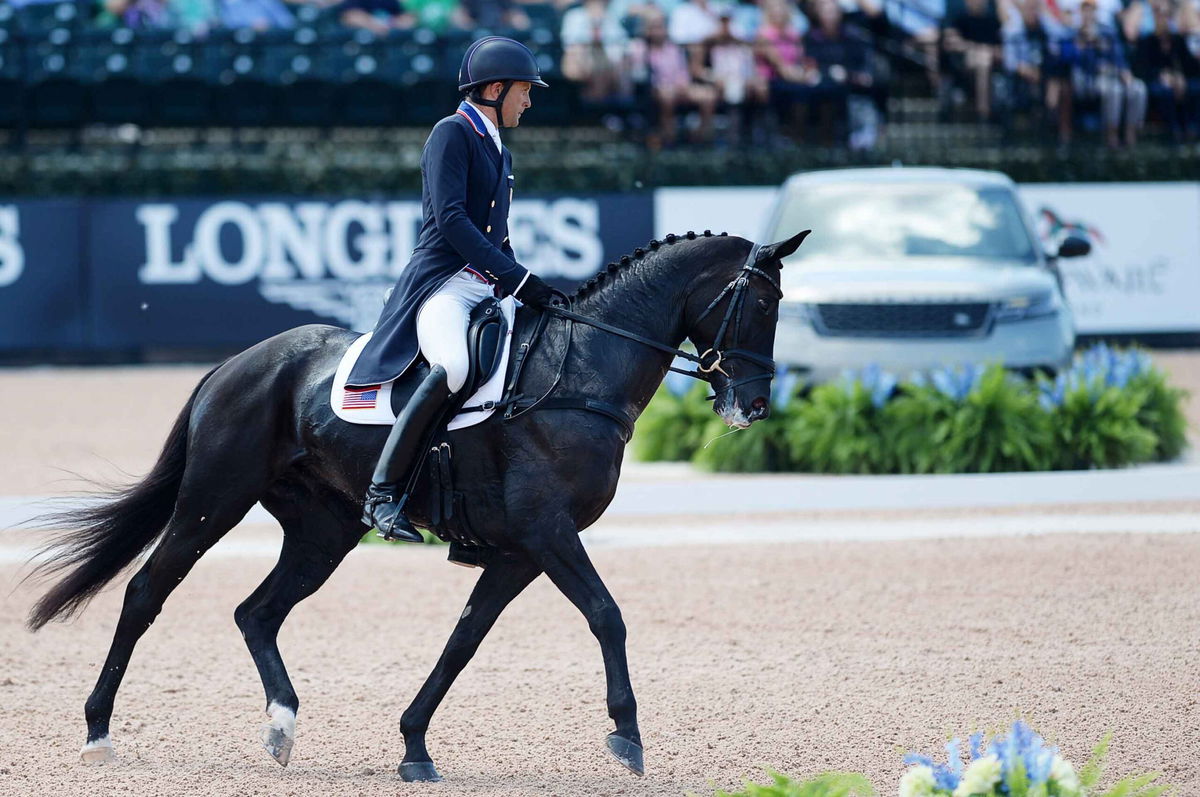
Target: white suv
915,268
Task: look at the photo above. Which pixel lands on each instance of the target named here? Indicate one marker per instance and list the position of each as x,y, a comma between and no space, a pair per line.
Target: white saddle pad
373,404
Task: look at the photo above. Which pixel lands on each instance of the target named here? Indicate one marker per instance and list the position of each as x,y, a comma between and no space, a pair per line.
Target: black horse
259,428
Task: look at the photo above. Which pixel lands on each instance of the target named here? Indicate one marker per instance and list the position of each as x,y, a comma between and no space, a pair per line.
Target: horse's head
734,329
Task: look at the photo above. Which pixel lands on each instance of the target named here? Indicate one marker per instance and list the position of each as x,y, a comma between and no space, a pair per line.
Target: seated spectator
692,21
731,69
380,17
492,14
841,63
1159,61
664,65
1024,55
594,43
781,61
974,36
255,14
1099,70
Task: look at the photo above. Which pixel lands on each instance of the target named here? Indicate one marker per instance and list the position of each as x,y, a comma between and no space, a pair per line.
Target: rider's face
516,103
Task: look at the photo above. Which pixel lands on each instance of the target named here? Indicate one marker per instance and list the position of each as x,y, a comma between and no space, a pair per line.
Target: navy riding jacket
466,188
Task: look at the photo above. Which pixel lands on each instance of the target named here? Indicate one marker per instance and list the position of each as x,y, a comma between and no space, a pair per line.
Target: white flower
917,782
981,776
1063,776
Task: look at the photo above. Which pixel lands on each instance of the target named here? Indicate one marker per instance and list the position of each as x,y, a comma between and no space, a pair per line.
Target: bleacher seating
58,70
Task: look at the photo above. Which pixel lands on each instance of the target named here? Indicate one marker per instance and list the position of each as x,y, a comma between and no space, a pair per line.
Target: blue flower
1026,749
878,383
784,387
956,383
945,776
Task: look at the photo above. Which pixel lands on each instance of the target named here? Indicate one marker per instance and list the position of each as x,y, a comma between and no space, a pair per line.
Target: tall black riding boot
383,507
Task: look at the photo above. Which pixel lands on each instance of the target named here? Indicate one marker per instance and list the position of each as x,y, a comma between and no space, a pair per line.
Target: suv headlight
1021,308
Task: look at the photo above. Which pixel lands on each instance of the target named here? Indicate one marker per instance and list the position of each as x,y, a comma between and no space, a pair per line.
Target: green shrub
1162,413
835,430
672,428
997,427
1098,426
1110,409
754,450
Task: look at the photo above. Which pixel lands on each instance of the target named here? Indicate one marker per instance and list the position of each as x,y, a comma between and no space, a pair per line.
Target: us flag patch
360,398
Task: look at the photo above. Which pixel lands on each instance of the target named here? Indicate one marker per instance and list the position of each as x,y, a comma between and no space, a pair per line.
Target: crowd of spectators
763,63
755,71
1054,59
821,68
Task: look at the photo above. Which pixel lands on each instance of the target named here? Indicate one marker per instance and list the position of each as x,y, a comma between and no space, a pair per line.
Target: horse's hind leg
317,536
189,534
503,580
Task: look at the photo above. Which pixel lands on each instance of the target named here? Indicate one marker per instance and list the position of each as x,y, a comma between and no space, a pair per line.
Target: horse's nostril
759,403
759,409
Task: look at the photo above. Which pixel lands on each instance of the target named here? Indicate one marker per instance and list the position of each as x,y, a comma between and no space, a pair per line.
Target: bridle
709,363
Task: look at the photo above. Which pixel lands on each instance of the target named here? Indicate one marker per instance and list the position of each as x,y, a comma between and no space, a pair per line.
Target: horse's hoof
98,752
276,742
419,771
627,752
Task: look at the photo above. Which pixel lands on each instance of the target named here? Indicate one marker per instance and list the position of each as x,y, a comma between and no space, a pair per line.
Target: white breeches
442,325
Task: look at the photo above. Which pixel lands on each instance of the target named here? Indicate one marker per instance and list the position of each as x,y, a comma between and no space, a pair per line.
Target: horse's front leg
503,580
560,553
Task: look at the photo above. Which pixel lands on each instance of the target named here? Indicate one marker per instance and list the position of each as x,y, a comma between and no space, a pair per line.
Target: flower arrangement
1111,408
1016,764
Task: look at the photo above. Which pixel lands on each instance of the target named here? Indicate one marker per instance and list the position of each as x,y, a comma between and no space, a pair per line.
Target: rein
736,289
516,404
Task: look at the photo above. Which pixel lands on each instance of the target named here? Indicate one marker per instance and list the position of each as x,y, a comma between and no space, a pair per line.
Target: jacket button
493,203
489,229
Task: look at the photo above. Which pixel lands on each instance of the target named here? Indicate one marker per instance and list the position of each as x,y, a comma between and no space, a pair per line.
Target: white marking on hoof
279,734
98,752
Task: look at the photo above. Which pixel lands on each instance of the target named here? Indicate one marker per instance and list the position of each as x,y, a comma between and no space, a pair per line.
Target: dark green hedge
1111,409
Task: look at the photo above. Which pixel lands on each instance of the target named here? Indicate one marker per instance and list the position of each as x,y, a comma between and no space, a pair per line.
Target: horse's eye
764,306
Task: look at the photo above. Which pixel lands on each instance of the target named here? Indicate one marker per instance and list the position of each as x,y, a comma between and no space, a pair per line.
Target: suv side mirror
1074,246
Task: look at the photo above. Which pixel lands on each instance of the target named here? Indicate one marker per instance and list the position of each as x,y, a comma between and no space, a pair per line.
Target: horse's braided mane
594,283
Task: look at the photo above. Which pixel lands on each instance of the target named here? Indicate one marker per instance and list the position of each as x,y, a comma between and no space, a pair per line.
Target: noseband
709,363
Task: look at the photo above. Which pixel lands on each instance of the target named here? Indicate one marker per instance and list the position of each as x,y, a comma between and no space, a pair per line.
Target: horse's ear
781,249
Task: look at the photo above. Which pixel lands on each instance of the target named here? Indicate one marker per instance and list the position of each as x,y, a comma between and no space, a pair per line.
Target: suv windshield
855,221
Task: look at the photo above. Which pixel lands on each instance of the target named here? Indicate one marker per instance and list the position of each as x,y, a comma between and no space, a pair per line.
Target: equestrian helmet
497,58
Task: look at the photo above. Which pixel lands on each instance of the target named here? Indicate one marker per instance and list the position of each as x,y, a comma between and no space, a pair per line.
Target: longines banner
117,274
1143,275
41,279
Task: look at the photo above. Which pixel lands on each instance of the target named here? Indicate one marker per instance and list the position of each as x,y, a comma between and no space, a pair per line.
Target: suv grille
902,320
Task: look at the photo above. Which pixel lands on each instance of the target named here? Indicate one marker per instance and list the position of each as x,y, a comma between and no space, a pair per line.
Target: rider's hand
535,292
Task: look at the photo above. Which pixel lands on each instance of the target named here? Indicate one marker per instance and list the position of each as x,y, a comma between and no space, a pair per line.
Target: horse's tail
101,539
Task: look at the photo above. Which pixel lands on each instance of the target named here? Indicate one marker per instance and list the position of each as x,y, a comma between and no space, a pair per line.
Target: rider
462,257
